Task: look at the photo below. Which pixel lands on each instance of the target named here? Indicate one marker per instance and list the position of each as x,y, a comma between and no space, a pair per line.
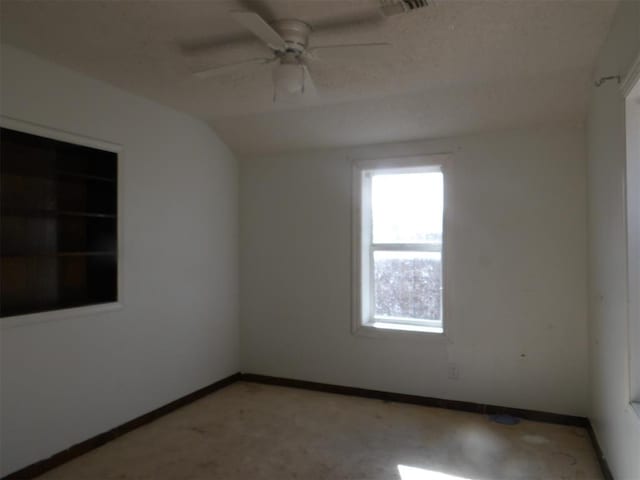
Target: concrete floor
252,431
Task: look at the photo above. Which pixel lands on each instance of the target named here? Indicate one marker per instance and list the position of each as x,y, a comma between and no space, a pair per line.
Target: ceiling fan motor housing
295,33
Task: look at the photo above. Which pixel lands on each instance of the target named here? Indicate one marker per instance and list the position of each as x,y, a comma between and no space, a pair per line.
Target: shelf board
57,174
61,254
85,254
24,212
84,176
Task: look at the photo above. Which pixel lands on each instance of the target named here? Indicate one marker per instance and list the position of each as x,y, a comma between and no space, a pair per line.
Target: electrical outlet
453,373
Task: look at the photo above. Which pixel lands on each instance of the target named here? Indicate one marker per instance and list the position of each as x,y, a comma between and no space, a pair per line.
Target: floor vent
504,419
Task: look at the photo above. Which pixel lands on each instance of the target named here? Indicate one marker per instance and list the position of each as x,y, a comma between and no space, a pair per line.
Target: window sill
391,330
52,315
404,327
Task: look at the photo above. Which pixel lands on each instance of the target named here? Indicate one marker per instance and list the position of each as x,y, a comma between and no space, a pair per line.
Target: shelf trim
22,320
25,320
55,134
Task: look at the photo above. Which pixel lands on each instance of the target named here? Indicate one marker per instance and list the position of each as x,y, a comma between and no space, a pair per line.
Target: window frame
363,247
631,90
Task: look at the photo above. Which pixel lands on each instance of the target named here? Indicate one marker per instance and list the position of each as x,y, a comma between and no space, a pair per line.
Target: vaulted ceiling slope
454,67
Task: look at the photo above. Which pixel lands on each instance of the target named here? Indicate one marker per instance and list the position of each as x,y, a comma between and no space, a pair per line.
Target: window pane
408,285
407,207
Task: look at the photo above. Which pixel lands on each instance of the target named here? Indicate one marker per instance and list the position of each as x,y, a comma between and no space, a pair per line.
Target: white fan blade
261,29
355,46
309,88
230,67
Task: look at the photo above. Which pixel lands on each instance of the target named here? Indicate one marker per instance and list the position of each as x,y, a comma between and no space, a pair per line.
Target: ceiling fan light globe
288,78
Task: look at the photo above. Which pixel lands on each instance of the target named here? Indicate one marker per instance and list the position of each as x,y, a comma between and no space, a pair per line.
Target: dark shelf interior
32,212
59,224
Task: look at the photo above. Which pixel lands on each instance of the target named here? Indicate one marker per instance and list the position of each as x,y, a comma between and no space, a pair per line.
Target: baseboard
81,448
484,409
604,466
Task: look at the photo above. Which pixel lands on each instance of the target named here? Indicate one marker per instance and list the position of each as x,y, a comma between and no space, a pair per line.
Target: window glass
407,207
407,285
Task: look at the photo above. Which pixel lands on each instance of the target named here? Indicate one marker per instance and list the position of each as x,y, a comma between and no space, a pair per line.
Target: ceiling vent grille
396,7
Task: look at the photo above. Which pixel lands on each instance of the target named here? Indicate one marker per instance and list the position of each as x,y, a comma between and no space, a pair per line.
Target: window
398,245
631,87
59,224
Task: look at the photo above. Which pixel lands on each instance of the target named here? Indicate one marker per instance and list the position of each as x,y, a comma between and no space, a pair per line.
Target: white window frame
631,91
363,248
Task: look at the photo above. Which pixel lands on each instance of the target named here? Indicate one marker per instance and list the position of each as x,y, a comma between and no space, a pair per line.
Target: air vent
397,7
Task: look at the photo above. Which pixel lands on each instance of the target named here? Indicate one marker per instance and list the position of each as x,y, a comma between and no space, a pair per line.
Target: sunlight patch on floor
414,473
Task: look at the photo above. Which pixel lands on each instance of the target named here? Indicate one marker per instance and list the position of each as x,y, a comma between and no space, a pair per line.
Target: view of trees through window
407,285
406,213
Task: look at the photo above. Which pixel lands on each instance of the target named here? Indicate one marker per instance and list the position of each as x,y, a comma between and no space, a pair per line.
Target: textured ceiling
453,67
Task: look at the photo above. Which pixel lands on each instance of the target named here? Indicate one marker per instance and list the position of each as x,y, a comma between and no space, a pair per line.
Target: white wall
518,274
66,380
616,425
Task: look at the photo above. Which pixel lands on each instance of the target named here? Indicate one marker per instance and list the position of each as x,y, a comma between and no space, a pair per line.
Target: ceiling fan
288,41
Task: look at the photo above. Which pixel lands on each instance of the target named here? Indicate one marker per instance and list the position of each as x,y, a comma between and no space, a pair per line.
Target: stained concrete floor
252,431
